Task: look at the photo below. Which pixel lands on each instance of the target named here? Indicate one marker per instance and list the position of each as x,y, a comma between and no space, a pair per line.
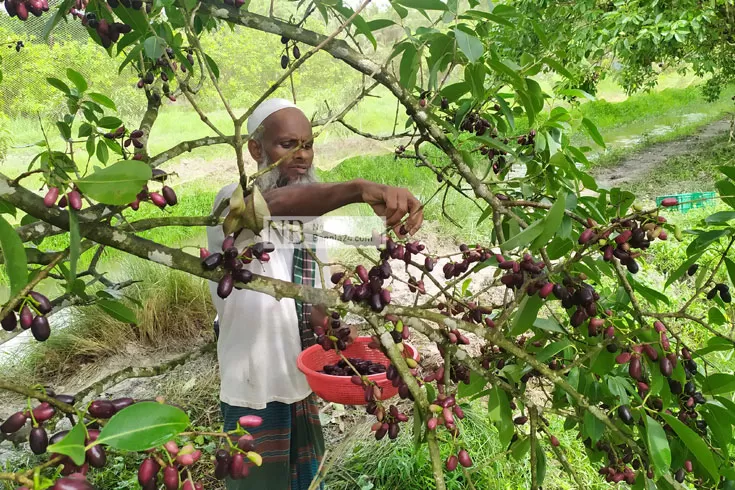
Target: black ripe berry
284,61
692,269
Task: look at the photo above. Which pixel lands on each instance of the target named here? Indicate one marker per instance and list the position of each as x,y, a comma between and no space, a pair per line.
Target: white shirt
259,337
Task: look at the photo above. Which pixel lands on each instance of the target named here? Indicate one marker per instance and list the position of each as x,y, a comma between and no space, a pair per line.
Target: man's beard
273,178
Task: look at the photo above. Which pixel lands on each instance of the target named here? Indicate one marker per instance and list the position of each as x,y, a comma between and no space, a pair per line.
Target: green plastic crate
690,201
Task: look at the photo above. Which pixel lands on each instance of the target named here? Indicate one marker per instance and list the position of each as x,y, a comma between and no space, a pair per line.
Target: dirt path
635,166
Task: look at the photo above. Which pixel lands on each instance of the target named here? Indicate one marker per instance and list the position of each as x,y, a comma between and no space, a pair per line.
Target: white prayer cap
265,109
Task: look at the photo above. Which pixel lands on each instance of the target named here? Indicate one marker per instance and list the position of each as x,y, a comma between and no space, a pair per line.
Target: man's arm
392,203
312,199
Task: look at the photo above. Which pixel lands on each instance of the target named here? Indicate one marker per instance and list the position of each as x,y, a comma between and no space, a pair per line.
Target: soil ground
636,165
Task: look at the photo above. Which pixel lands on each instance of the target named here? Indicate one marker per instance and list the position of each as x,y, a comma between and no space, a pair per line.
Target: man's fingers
416,215
401,208
391,204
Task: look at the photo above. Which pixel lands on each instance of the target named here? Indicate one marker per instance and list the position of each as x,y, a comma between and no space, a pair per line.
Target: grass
174,313
384,465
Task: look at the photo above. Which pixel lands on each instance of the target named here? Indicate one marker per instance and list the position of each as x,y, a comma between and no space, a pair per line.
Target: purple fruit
75,200
68,399
635,368
169,195
666,367
51,196
464,458
452,462
170,478
9,322
72,483
13,423
250,421
43,304
385,297
246,442
158,199
147,471
38,440
212,261
121,403
96,456
224,288
43,412
237,463
26,318
101,409
40,328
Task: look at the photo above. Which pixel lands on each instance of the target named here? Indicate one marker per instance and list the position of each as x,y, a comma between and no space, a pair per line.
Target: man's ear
256,150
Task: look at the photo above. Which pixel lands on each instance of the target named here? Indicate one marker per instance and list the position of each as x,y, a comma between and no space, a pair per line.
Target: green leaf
102,154
658,446
726,189
705,239
681,269
212,65
102,100
523,238
109,122
592,427
377,24
540,464
72,444
719,383
552,222
361,27
696,445
553,349
515,78
500,414
526,315
422,4
730,270
549,324
470,45
85,129
60,13
119,183
728,171
142,426
132,55
77,79
485,214
715,316
75,246
90,145
519,448
64,130
409,66
478,14
575,92
593,131
477,384
14,255
507,112
117,310
56,83
7,208
153,47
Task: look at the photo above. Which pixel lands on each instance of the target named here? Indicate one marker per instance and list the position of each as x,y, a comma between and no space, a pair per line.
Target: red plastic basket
339,389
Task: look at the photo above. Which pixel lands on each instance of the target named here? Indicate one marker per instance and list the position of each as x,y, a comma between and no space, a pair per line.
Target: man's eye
287,144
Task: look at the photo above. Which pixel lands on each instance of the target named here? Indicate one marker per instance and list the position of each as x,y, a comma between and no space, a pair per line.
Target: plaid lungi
290,440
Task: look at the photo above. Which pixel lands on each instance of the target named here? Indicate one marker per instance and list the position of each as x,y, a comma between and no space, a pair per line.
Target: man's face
283,132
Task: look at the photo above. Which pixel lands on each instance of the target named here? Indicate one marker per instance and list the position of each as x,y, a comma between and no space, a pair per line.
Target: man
260,337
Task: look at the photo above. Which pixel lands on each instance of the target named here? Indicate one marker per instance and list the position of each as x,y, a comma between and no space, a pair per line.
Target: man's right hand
394,203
